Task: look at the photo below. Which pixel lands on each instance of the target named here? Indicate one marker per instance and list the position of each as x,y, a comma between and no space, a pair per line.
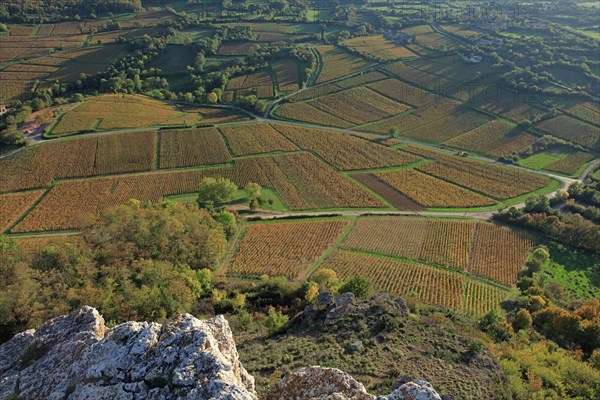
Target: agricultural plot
189,147
235,48
23,72
570,164
403,92
31,247
173,60
71,203
14,205
448,127
491,180
255,139
465,245
391,195
338,62
480,297
587,111
345,152
448,242
360,80
307,113
359,105
284,249
509,106
21,30
495,138
451,67
316,91
499,253
38,166
414,118
572,130
546,157
431,192
14,90
379,47
286,72
425,36
431,285
111,111
421,79
303,181
460,30
258,83
213,115
19,47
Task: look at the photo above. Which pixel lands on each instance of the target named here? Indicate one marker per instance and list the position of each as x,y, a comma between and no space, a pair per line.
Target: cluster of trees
573,230
136,261
36,11
537,320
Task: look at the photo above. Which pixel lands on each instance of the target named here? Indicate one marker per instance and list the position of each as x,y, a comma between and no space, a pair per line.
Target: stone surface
319,383
415,390
75,357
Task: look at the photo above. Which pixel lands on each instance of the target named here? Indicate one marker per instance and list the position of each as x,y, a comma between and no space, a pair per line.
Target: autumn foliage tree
135,262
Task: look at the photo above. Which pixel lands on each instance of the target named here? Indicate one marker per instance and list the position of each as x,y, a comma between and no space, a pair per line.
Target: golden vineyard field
13,205
495,138
429,285
359,105
345,152
189,147
432,192
491,180
38,166
302,180
481,248
255,139
284,249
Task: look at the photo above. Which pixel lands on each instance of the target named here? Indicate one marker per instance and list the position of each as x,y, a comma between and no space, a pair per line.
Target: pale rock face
415,390
75,357
319,383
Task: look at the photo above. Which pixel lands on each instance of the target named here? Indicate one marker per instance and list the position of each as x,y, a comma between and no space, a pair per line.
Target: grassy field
576,270
541,160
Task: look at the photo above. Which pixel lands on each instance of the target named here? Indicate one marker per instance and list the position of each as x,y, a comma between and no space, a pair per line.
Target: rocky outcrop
77,357
346,304
318,383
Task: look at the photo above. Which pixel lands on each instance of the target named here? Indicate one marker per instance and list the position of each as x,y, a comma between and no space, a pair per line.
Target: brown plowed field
397,199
